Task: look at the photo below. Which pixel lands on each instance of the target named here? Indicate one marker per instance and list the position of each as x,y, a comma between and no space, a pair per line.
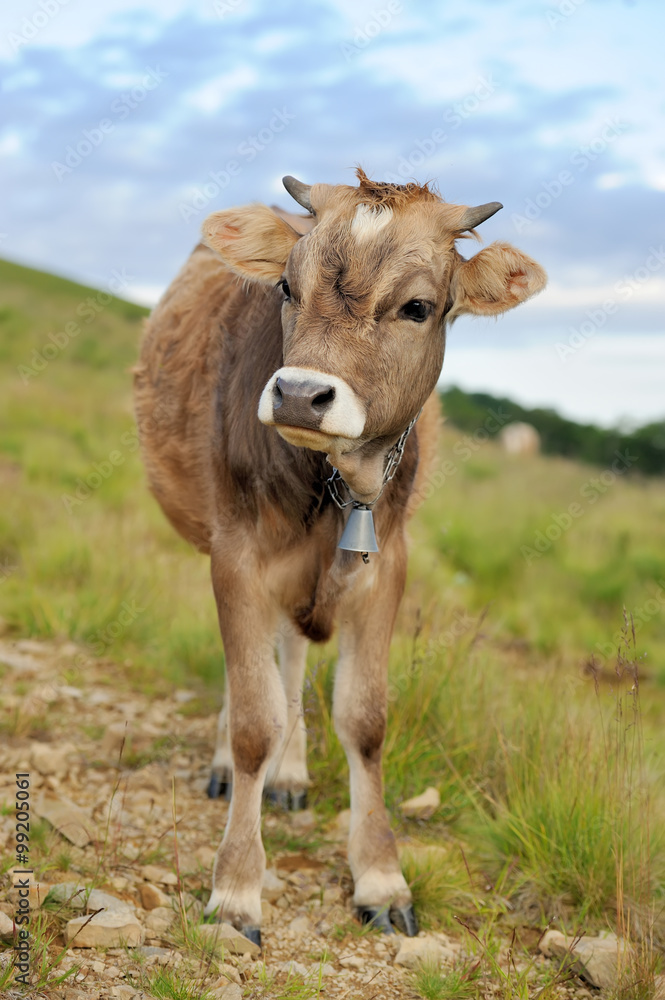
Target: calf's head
367,293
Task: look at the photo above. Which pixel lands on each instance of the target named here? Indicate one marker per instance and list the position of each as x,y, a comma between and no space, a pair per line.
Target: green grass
457,983
503,686
167,984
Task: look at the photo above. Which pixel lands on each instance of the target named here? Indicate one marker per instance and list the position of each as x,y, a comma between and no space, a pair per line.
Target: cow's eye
284,285
416,310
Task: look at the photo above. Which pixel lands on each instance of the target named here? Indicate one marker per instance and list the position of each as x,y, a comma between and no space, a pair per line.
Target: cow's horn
474,216
298,191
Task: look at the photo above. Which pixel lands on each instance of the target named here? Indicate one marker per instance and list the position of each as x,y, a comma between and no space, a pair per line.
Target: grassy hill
506,691
586,442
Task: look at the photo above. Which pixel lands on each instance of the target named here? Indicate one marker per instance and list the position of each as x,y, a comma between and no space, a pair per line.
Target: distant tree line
586,442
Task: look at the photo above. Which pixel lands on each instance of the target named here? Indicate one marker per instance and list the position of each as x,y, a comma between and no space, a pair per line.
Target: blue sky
125,123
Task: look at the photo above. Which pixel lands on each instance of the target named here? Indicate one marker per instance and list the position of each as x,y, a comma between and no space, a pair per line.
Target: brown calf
284,348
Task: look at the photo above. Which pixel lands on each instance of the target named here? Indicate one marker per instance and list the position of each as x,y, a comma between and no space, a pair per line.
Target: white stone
123,992
68,819
159,920
114,929
6,927
226,938
22,662
422,806
600,960
294,968
424,948
326,970
49,759
229,992
352,962
299,926
79,897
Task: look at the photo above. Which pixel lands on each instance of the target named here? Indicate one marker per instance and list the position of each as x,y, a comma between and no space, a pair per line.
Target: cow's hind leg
221,772
287,780
257,719
381,894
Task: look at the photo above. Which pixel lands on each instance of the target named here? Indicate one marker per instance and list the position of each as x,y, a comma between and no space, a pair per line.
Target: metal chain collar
394,457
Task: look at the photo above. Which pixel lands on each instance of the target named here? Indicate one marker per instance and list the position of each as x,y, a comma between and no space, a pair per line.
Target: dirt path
108,768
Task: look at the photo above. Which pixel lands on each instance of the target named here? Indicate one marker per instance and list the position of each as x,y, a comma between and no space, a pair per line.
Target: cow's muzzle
311,400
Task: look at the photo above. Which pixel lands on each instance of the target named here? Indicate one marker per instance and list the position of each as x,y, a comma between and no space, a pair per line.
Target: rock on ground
6,927
152,896
422,806
68,819
424,948
229,992
227,938
159,920
80,897
104,930
599,960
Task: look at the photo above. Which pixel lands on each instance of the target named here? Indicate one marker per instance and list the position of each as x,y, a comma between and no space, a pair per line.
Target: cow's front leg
257,718
287,780
381,893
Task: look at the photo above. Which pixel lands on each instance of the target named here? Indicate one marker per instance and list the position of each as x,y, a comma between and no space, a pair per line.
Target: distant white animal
519,438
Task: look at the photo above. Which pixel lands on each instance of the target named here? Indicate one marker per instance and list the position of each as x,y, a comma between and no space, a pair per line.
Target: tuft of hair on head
393,195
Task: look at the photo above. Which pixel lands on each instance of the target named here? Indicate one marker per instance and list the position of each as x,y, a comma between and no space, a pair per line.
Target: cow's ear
496,279
253,241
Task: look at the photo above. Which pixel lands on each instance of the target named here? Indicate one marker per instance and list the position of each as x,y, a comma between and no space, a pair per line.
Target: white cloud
221,90
10,144
605,381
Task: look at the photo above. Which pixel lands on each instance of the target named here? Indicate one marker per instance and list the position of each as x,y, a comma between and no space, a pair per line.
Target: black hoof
378,918
219,786
283,799
252,933
404,920
216,786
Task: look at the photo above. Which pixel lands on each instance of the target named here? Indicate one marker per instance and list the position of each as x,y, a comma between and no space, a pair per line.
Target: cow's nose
301,402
